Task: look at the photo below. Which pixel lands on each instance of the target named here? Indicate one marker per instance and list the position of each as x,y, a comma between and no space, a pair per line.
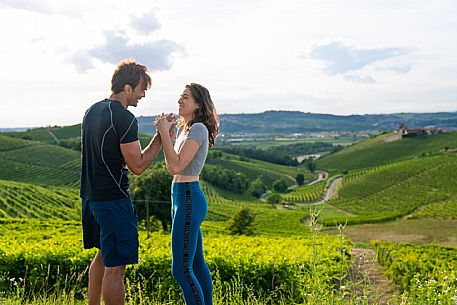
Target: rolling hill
398,189
38,163
408,179
385,180
25,200
376,152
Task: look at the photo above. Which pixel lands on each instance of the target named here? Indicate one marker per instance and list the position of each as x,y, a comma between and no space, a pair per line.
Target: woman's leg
202,272
184,238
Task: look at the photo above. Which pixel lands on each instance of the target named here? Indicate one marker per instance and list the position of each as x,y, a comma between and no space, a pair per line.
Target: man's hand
165,124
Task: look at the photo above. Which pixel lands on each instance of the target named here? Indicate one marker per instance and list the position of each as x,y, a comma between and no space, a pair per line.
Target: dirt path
53,135
369,274
321,175
331,189
329,193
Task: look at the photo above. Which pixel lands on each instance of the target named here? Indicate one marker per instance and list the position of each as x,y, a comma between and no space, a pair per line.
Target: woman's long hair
205,113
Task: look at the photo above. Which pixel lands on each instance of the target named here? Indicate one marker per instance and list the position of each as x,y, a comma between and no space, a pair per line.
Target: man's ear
127,88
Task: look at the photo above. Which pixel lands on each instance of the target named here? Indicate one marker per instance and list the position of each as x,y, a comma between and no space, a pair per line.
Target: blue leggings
188,265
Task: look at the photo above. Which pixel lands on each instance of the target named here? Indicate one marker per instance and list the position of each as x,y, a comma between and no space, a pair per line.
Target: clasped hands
165,124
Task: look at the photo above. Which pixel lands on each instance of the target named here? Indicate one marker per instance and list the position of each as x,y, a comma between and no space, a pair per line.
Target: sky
340,57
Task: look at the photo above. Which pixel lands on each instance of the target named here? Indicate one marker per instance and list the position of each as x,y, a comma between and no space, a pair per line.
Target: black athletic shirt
105,126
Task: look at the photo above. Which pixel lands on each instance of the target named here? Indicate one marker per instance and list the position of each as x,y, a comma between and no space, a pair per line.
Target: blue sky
340,57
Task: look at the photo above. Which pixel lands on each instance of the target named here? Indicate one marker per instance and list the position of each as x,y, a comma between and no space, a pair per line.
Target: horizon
5,129
352,57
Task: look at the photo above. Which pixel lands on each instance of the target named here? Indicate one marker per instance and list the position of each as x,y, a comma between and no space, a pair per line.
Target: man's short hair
129,72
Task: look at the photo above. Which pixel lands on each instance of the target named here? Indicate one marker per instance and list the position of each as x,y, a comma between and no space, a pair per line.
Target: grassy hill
386,187
38,163
24,200
270,220
45,134
67,136
253,169
376,151
385,181
395,190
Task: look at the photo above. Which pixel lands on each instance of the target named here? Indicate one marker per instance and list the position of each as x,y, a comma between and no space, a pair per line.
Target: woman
197,129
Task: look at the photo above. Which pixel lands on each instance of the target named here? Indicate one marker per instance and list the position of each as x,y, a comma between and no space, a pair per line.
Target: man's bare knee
97,266
115,272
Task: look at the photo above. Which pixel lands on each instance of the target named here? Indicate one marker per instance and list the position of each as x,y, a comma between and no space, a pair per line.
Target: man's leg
96,271
113,285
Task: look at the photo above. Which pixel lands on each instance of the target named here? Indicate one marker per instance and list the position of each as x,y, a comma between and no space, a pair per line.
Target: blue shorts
112,227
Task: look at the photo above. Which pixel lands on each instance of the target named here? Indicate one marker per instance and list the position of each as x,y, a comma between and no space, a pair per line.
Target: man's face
136,94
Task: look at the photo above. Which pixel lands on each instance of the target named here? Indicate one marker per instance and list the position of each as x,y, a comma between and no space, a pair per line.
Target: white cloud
49,7
156,54
401,69
360,79
342,57
146,24
382,56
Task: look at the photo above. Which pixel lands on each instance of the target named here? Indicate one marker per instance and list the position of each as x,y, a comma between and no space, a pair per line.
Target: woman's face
187,104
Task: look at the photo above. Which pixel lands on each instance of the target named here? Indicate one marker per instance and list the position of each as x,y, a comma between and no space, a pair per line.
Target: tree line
281,154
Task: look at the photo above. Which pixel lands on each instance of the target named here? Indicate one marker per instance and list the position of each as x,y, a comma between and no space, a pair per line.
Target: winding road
329,193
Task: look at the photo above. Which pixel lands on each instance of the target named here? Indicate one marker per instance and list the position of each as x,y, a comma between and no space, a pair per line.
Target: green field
396,191
51,259
375,152
44,134
42,164
251,171
305,194
427,274
23,200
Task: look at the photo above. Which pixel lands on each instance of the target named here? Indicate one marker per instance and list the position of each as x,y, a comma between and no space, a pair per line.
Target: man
109,143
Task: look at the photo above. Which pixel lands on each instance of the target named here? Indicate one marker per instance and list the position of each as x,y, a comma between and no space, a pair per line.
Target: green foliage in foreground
426,274
47,256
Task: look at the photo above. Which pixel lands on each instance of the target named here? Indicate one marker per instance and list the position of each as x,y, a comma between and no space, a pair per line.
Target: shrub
242,223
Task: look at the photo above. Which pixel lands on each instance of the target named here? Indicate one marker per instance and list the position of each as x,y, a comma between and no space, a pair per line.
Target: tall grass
314,282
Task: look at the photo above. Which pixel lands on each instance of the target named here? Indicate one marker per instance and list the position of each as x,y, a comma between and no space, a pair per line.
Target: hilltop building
406,132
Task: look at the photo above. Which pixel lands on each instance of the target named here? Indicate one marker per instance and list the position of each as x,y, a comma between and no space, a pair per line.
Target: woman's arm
176,162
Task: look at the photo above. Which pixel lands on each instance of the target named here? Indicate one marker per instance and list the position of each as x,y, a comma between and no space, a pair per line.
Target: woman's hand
164,124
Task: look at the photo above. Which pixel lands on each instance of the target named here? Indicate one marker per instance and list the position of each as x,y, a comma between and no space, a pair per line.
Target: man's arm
139,160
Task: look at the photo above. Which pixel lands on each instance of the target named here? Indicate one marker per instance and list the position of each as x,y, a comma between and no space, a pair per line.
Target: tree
257,188
300,178
280,186
226,179
242,223
273,198
312,166
153,185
